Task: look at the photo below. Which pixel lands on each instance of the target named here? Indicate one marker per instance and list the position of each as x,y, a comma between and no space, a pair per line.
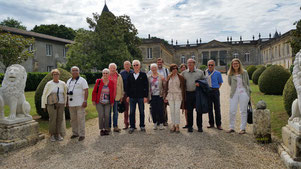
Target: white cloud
169,19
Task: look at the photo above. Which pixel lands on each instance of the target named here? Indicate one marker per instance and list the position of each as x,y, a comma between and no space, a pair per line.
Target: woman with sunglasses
54,99
175,96
238,79
103,99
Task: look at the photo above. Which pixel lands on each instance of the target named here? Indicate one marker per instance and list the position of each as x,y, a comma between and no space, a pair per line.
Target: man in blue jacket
215,80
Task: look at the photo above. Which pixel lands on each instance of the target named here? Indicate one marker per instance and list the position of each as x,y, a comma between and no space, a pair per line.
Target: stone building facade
250,52
49,51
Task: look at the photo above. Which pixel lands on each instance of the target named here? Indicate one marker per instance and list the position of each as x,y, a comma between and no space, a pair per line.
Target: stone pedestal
262,125
18,135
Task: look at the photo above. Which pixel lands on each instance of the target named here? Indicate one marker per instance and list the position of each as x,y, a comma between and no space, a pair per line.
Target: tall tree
112,39
60,31
11,22
14,49
296,38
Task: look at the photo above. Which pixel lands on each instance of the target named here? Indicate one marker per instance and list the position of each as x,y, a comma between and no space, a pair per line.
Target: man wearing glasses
215,80
137,92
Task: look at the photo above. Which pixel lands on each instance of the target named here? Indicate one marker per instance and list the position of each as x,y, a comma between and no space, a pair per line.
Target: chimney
227,38
200,40
253,37
197,41
240,38
149,36
259,35
172,41
230,38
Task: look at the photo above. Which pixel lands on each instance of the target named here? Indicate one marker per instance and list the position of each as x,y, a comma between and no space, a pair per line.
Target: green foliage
13,49
113,39
203,67
289,95
1,77
251,69
273,79
291,68
60,31
268,65
11,22
257,74
64,76
92,77
33,80
296,38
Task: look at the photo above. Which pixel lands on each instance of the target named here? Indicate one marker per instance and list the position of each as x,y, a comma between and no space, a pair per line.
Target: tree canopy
56,30
13,49
112,39
296,38
11,22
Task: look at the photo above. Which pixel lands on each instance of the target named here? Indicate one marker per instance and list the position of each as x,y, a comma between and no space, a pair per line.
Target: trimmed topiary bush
289,95
273,79
251,69
203,67
64,76
257,73
33,80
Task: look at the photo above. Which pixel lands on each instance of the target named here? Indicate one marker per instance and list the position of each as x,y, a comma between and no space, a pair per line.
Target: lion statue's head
14,80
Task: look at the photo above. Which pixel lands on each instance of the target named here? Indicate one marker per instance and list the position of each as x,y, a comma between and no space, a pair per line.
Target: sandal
242,132
173,129
230,131
177,130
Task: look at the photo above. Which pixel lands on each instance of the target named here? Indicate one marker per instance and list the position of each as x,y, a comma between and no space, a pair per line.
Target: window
149,53
48,50
64,52
193,57
183,59
30,48
288,49
235,55
214,55
247,57
49,68
205,57
222,57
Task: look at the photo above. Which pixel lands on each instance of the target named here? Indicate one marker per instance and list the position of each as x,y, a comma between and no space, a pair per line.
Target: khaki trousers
77,119
57,123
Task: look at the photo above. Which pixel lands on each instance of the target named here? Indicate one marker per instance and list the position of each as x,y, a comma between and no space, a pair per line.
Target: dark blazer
202,96
137,88
182,86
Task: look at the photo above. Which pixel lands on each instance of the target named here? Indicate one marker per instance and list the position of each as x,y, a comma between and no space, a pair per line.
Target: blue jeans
115,115
133,102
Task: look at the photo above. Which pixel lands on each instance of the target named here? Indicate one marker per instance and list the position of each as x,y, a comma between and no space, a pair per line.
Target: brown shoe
126,127
219,128
177,129
242,132
116,129
230,131
173,129
210,126
81,138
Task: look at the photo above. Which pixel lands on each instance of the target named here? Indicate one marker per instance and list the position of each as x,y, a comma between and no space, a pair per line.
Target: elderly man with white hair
137,91
77,101
118,94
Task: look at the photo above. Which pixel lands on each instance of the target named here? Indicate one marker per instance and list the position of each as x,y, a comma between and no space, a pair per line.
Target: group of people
186,89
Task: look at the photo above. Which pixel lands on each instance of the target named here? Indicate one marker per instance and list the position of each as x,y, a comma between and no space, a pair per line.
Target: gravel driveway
153,149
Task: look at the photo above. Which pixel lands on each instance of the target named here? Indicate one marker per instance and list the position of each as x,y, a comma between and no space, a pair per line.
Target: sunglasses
135,65
105,73
210,65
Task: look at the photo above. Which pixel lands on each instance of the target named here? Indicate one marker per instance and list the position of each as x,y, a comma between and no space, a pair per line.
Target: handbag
250,113
52,99
121,107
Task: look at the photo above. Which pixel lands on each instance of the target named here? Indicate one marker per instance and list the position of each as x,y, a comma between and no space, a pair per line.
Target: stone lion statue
12,93
296,106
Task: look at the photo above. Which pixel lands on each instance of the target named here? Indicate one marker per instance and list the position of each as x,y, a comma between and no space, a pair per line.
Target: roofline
34,34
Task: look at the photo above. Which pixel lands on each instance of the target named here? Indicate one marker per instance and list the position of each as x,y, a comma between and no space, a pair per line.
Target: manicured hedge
92,77
257,74
289,95
251,69
203,67
273,79
64,76
33,80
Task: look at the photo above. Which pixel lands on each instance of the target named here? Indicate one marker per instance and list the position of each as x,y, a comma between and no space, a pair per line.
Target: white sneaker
161,127
52,138
155,126
60,138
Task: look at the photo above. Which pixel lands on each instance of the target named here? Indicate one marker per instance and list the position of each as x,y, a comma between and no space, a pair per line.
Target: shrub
257,73
291,68
289,95
64,76
251,69
1,77
92,77
268,65
33,80
273,79
203,67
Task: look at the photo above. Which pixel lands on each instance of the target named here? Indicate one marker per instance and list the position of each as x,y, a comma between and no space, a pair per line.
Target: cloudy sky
180,20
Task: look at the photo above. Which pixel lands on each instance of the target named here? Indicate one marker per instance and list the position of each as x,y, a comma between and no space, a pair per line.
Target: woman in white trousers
175,94
238,80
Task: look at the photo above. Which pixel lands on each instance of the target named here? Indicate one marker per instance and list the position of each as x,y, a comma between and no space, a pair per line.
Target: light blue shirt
216,79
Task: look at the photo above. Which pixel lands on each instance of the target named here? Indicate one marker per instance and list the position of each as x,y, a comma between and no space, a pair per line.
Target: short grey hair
112,64
105,70
190,59
210,61
136,61
154,65
74,67
126,62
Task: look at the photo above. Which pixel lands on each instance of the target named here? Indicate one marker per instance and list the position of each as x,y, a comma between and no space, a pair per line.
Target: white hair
112,64
126,62
154,65
74,67
136,61
106,70
211,61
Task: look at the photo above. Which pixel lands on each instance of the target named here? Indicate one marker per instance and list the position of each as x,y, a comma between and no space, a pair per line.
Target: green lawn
279,116
90,110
